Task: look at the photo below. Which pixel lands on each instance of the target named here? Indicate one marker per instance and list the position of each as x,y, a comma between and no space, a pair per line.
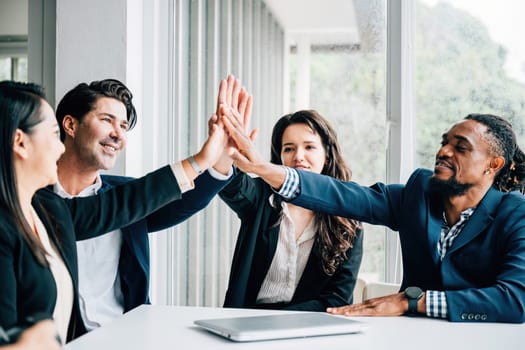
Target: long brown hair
335,234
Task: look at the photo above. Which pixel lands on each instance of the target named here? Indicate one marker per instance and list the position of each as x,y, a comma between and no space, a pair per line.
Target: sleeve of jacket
123,204
340,287
242,194
206,187
8,292
378,204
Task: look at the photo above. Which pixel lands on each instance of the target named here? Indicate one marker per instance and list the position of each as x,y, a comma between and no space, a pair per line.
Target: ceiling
321,21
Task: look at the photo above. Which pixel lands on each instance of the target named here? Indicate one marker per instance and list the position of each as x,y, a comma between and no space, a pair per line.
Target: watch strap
413,294
412,306
195,165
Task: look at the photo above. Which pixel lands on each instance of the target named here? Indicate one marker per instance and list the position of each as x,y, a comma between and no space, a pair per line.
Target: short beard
449,188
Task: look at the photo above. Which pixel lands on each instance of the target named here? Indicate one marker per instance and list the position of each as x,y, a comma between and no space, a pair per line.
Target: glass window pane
5,68
470,58
21,69
348,87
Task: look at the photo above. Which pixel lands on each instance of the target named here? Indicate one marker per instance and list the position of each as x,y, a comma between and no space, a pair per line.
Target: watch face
413,292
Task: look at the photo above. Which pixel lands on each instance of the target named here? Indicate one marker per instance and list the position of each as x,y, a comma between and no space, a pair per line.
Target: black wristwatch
413,294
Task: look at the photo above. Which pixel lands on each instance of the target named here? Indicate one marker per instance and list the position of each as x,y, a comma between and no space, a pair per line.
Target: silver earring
486,172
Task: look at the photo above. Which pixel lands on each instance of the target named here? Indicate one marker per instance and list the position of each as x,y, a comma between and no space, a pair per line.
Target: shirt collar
308,232
465,214
88,191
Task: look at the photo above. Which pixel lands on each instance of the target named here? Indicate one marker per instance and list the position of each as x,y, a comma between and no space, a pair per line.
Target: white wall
101,39
91,41
13,17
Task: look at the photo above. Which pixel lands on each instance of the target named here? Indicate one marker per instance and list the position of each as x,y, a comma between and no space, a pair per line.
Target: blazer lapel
256,271
269,239
434,220
311,274
481,218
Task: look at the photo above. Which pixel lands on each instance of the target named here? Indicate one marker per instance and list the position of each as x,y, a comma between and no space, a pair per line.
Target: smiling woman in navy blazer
462,226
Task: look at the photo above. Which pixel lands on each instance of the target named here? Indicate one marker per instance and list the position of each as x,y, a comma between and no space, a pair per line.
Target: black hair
78,101
503,142
20,106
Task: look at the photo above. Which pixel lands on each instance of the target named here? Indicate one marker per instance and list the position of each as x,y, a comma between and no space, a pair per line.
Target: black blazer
134,255
27,287
255,248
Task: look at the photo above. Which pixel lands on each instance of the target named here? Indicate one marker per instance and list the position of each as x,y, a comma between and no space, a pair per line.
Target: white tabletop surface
171,327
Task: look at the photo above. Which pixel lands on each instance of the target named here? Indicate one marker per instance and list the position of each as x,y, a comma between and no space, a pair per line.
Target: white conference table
171,327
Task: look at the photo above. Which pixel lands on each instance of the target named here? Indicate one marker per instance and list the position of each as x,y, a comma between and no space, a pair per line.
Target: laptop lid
280,326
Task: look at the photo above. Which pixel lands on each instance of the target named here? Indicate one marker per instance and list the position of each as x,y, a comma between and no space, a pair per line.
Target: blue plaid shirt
436,302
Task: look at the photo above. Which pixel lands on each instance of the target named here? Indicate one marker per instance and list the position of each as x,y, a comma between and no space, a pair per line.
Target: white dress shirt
288,262
100,295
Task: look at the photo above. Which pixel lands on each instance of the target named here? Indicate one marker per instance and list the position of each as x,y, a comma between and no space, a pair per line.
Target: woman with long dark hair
288,257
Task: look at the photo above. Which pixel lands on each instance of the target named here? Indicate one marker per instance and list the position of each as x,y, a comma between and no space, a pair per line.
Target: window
470,58
347,85
13,57
13,68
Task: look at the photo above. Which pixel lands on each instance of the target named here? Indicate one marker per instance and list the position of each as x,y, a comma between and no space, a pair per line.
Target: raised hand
213,147
235,100
244,153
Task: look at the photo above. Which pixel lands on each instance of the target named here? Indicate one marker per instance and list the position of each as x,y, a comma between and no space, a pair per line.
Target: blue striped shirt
290,188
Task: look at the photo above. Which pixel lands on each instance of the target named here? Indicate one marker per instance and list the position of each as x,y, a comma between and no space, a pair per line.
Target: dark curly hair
334,234
78,101
502,141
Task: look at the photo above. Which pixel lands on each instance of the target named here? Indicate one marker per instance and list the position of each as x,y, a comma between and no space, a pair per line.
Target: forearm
492,304
124,204
206,187
274,175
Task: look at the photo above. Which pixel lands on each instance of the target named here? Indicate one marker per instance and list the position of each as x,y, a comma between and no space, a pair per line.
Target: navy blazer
482,274
255,248
28,288
134,255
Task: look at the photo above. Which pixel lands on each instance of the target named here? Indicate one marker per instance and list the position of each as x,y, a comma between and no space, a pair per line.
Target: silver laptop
280,326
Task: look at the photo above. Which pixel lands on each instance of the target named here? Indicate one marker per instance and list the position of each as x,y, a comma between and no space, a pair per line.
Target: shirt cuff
290,188
436,304
219,176
184,183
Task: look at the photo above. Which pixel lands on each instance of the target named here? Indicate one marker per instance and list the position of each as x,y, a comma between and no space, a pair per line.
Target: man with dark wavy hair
114,269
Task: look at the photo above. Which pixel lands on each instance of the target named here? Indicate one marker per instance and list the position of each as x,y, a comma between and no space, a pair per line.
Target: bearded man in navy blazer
114,268
461,226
